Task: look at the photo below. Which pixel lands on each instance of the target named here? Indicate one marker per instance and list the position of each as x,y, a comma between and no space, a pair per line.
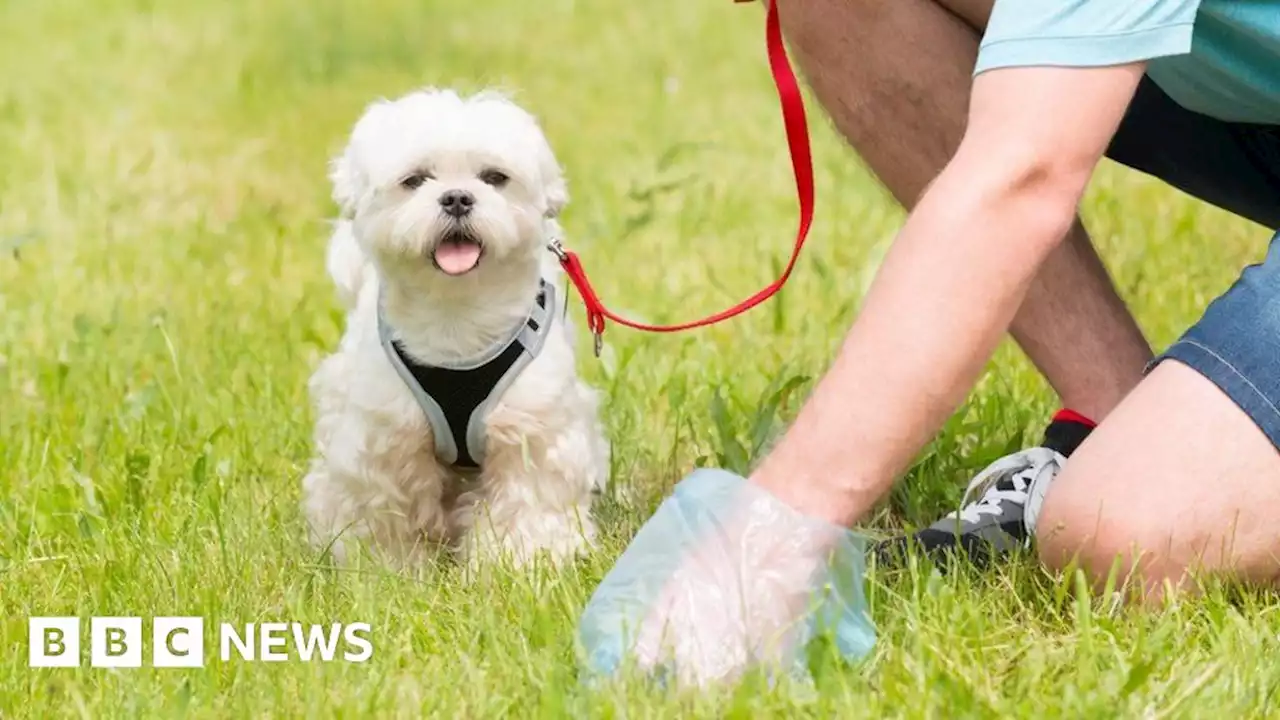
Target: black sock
1066,431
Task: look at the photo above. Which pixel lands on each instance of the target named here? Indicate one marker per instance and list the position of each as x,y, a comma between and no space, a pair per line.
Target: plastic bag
725,577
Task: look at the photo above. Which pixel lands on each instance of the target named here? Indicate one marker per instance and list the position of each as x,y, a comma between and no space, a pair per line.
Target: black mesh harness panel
457,399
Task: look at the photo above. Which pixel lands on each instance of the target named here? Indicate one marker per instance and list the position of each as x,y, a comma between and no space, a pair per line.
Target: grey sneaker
997,514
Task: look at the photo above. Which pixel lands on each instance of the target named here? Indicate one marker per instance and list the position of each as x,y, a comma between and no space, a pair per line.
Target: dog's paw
559,539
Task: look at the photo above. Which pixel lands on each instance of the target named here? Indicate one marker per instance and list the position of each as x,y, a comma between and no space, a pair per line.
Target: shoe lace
1008,478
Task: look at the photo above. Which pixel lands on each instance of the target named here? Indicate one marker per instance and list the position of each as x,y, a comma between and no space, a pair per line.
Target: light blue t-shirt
1216,57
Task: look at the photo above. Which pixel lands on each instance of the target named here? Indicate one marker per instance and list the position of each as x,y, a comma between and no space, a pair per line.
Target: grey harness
456,399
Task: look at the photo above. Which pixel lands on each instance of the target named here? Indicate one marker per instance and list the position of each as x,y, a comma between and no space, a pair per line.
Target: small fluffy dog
451,414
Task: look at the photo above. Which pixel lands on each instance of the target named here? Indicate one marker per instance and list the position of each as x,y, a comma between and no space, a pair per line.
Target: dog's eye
496,178
415,181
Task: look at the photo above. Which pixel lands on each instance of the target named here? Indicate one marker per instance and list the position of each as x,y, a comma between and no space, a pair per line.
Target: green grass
163,211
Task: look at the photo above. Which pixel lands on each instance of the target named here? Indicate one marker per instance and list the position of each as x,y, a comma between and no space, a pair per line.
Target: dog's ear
348,183
557,196
553,183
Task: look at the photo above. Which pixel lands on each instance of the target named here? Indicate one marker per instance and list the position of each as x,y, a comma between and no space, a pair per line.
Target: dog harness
456,399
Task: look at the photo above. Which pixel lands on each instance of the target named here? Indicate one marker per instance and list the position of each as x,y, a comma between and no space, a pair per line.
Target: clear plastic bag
723,578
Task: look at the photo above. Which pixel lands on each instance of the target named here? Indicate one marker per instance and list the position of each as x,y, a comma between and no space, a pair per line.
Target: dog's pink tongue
456,258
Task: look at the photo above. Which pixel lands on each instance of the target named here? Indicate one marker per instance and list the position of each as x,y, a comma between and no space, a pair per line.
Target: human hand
723,578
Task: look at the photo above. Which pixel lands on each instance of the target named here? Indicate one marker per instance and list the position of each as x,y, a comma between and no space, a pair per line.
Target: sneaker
998,511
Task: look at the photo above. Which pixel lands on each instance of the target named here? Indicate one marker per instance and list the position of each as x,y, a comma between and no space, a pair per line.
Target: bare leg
1178,473
895,78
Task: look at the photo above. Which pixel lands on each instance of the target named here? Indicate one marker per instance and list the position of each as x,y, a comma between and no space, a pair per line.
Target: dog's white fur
375,477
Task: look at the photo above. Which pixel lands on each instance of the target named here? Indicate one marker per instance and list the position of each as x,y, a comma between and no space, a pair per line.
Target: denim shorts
1236,343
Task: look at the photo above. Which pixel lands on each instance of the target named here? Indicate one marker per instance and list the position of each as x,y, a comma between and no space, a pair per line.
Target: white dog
451,414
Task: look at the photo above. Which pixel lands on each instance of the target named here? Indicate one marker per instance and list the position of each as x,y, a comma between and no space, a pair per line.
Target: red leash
801,162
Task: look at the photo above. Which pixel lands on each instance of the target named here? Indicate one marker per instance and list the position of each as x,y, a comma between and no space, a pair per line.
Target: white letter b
115,642
53,642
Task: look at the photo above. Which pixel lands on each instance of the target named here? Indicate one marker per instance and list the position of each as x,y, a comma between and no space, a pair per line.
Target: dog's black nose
457,202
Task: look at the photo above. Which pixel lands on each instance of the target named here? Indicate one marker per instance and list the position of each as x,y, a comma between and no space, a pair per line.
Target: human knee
1078,530
1065,531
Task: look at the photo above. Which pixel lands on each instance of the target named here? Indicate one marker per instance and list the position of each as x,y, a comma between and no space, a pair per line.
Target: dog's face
457,184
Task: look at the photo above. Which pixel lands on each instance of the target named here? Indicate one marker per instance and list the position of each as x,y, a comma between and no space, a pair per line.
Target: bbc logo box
178,642
116,642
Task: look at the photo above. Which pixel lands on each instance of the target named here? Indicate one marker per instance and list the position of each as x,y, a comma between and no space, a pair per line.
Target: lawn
163,216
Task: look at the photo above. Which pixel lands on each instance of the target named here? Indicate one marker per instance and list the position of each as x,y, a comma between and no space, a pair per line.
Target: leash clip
557,248
595,319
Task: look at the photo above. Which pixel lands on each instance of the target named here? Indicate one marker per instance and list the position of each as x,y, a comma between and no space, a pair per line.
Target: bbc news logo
179,642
